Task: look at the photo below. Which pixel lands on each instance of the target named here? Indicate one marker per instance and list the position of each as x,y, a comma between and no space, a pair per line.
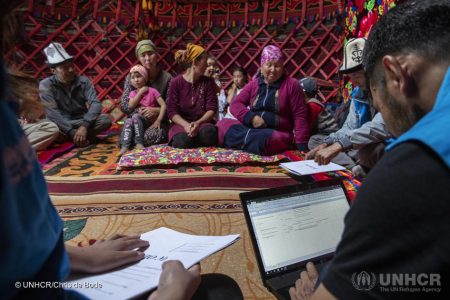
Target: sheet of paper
165,244
307,167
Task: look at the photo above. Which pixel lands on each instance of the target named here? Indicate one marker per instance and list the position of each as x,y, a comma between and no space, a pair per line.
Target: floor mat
100,159
97,200
54,151
138,194
236,261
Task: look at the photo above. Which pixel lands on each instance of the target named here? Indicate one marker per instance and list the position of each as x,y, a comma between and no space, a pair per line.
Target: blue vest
433,129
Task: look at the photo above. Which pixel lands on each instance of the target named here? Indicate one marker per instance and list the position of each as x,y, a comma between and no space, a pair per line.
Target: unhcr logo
364,281
398,282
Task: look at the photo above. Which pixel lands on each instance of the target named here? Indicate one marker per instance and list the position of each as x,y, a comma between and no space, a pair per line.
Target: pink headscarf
270,53
141,70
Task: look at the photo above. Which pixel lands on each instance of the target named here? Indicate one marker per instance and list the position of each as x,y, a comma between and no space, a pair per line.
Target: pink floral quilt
166,155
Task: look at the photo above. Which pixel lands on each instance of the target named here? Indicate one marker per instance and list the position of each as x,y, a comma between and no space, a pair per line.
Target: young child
212,71
319,120
142,97
239,81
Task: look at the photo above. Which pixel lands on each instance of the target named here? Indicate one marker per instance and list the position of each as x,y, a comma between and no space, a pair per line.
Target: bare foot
122,151
139,146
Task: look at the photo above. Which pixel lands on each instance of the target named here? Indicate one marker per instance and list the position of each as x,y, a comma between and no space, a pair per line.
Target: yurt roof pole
95,13
208,16
30,5
321,9
74,8
174,13
190,15
266,11
53,7
228,15
246,14
303,11
136,13
118,10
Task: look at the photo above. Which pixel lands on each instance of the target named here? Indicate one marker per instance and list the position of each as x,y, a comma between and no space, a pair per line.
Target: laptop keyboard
289,279
285,280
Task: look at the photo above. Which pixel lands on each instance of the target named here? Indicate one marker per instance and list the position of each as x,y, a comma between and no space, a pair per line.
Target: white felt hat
56,54
353,54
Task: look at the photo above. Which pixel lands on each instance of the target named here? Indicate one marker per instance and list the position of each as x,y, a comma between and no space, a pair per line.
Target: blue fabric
247,139
32,247
362,108
266,106
433,129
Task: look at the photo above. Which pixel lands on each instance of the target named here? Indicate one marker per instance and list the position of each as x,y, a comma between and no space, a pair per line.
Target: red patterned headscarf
271,53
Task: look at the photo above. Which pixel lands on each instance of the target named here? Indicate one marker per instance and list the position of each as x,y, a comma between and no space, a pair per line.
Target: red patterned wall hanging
102,36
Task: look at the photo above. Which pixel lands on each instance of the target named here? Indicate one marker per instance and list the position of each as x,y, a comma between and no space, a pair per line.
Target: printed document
307,167
165,244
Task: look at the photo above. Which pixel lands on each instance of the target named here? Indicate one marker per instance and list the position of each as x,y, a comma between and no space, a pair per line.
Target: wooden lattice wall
102,36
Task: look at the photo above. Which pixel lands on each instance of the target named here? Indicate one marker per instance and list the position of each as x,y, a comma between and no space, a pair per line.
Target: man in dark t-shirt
396,242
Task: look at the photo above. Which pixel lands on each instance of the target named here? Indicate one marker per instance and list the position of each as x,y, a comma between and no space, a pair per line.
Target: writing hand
176,282
108,254
325,155
311,154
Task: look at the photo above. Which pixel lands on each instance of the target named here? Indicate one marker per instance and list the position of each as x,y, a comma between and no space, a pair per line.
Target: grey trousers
41,134
102,123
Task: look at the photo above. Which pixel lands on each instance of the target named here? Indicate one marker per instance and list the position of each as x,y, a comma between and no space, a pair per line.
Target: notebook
292,225
307,167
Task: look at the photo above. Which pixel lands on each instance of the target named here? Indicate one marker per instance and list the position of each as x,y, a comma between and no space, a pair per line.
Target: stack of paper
307,167
165,244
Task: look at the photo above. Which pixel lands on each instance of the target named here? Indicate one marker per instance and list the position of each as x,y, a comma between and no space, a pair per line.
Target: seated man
393,245
70,100
338,147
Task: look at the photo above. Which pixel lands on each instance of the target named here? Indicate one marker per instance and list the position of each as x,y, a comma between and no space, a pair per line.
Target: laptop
292,225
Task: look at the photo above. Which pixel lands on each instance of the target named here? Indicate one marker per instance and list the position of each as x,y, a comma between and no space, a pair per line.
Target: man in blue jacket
395,243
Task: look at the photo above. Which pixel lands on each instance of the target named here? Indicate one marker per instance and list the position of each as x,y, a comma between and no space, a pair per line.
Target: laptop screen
298,226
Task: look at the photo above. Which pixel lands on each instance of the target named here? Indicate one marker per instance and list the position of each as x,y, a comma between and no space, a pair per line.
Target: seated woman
141,98
158,79
192,102
271,111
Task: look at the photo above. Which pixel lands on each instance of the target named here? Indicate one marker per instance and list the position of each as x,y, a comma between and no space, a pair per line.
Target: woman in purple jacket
192,102
271,111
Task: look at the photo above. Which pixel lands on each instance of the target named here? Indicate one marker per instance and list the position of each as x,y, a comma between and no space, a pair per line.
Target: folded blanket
166,155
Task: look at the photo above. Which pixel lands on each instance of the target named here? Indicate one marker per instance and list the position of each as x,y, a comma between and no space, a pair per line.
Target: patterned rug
55,150
100,160
216,192
236,261
96,200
